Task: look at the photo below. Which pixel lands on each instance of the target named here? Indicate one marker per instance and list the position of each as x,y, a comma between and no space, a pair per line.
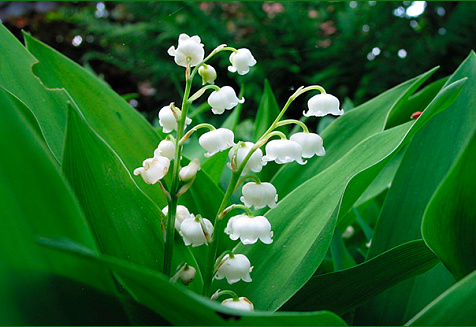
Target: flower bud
234,268
283,151
249,229
311,144
166,149
321,105
241,61
259,195
187,173
188,275
193,233
167,120
208,74
255,163
153,169
216,140
189,48
241,304
181,214
224,98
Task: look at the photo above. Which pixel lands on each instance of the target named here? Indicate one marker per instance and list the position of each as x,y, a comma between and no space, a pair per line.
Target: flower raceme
321,105
249,229
241,61
224,98
193,233
283,151
153,169
167,120
216,141
259,195
234,267
189,50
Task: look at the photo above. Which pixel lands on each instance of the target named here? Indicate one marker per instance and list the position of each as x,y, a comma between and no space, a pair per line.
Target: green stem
293,121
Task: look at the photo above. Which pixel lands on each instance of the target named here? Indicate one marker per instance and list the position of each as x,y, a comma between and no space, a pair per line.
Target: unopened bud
208,74
188,275
189,172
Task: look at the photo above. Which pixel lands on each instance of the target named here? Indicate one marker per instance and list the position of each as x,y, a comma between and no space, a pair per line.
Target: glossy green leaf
340,255
348,131
449,223
299,246
344,290
426,162
455,307
182,307
267,112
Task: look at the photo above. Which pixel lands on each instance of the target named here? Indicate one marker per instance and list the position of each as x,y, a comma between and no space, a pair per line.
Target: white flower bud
255,163
187,173
181,214
224,98
321,105
192,231
188,48
208,74
166,149
167,120
259,195
234,268
241,61
188,275
311,144
216,140
242,304
249,229
153,169
283,151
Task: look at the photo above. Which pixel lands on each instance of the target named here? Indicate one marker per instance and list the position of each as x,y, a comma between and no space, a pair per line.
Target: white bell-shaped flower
181,214
255,163
249,229
224,98
167,120
242,304
189,48
259,195
234,268
283,151
166,149
216,140
321,105
241,61
193,233
208,74
187,173
153,169
311,144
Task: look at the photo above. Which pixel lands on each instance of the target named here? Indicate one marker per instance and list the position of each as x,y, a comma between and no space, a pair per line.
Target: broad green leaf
425,164
340,255
299,246
449,223
455,307
344,290
267,112
348,131
35,199
180,306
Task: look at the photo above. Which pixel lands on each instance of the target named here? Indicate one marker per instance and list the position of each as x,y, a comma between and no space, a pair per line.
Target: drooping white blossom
189,49
321,105
234,268
167,120
259,195
166,149
181,214
189,172
216,140
208,74
241,61
255,163
283,151
241,304
153,169
311,143
224,98
249,229
192,232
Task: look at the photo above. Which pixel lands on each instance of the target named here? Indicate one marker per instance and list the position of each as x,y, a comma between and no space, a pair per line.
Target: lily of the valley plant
244,157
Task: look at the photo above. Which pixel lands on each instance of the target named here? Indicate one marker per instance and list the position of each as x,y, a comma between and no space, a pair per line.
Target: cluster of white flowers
244,157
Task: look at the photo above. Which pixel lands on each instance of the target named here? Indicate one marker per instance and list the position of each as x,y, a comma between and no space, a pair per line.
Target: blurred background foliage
356,50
